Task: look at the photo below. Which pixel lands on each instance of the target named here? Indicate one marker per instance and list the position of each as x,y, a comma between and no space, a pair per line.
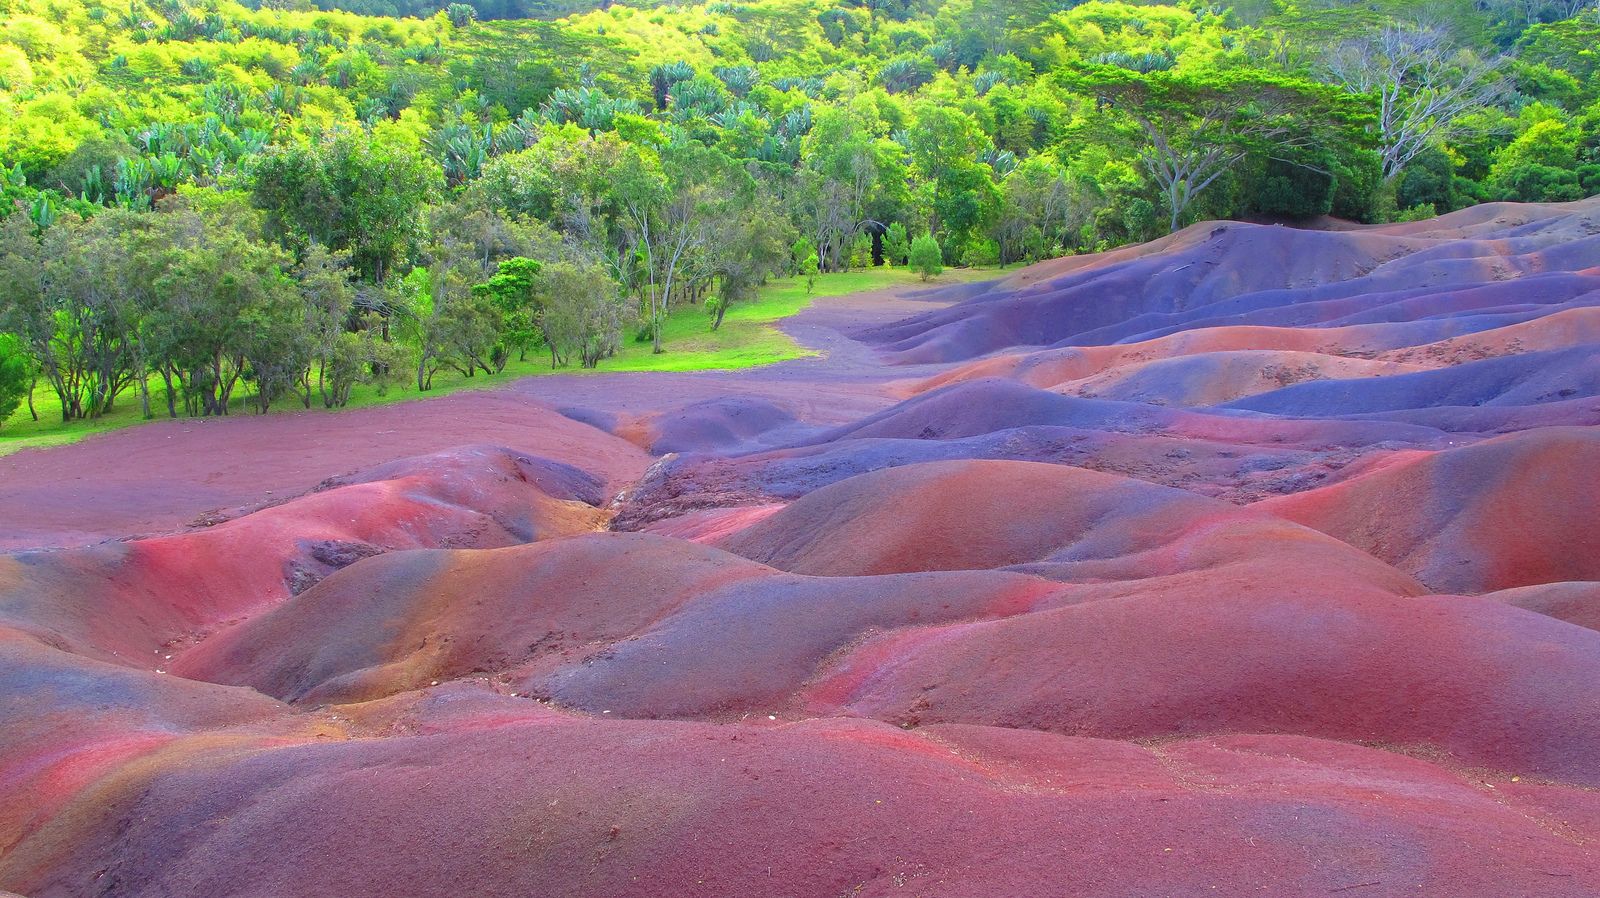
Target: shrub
14,381
926,259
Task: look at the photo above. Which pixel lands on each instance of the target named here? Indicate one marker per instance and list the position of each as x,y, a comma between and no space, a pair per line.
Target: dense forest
204,195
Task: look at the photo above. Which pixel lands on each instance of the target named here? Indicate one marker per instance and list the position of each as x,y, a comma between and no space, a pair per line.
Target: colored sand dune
1253,561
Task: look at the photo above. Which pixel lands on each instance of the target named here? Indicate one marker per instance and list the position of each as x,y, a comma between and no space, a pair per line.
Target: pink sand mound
132,602
527,802
1576,603
1560,330
162,477
1513,511
967,515
401,621
1253,648
1218,377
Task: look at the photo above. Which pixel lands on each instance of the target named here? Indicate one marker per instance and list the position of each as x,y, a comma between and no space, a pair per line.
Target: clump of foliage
926,258
15,379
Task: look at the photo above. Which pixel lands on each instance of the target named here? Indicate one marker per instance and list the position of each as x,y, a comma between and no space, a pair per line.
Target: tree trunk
172,399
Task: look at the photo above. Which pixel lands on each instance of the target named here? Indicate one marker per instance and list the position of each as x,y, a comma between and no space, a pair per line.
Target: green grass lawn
748,337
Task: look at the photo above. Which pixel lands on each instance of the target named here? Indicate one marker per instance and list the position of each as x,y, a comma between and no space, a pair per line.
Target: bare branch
1424,86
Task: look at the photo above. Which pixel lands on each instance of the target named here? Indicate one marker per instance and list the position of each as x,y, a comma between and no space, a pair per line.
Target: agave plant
987,80
94,186
162,137
166,171
196,68
664,76
762,50
796,124
1004,162
810,86
463,151
519,134
698,96
207,163
584,106
225,101
252,141
739,78
1144,63
905,73
728,117
370,109
283,99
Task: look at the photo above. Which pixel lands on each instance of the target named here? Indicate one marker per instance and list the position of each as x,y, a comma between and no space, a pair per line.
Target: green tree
514,290
896,244
227,310
62,295
581,312
747,251
1196,127
16,380
355,192
926,258
1424,82
671,204
328,300
839,175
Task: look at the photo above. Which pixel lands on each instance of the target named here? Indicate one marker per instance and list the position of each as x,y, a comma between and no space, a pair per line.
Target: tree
671,202
16,381
965,201
1423,83
355,192
1035,210
839,174
328,298
227,310
357,356
1197,127
447,322
746,252
896,244
926,259
581,311
61,296
514,290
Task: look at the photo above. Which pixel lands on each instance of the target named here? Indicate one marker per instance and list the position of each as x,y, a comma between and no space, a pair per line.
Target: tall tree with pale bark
1424,84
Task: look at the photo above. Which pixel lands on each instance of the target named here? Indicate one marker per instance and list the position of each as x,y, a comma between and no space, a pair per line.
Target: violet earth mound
1253,561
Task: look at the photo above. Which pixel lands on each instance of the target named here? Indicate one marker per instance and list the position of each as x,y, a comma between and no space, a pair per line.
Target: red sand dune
407,619
133,601
1512,511
494,799
163,476
1576,603
1251,561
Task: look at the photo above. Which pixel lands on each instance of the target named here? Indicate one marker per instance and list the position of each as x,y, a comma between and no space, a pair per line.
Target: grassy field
748,337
